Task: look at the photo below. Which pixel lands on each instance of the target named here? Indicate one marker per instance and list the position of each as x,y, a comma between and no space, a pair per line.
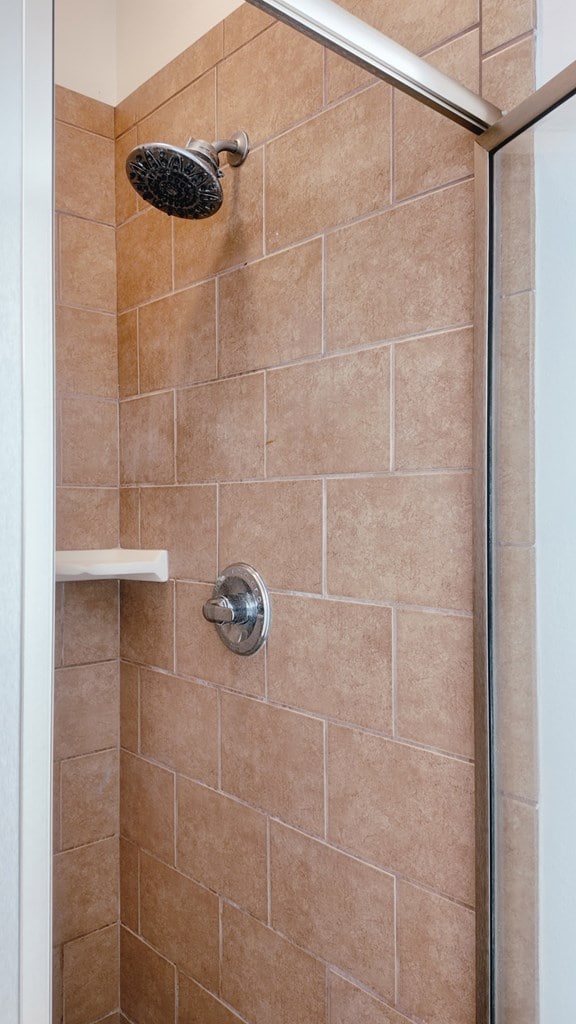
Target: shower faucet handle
218,609
240,609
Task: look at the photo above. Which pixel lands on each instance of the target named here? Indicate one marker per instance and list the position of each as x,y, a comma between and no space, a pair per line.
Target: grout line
326,793
394,654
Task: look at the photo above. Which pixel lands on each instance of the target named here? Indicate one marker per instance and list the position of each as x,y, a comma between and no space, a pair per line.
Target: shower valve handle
218,609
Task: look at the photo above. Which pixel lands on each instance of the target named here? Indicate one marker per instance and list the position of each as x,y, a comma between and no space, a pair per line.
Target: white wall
85,49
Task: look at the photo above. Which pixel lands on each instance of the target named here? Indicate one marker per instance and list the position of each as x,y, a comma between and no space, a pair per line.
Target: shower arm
329,24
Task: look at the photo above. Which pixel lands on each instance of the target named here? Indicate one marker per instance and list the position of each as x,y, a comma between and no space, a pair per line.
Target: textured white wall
85,47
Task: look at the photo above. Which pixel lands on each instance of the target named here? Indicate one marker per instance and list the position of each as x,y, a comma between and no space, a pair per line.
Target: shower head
184,182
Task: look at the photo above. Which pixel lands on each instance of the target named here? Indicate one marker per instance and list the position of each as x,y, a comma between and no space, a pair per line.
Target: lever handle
218,609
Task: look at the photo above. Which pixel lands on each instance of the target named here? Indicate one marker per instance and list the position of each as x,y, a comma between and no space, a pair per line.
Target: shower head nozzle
184,182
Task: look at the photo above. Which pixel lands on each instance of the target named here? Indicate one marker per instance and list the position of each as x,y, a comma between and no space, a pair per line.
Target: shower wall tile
147,440
518,899
342,76
87,264
177,338
147,611
89,788
291,96
195,1005
271,311
302,201
144,250
84,112
504,22
86,517
130,517
148,982
126,198
417,26
86,709
183,520
351,1005
90,622
147,805
508,75
189,114
129,884
91,976
85,890
179,725
242,25
86,352
128,369
83,172
129,707
89,432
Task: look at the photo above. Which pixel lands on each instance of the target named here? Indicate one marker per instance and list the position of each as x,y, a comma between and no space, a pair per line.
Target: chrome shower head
184,182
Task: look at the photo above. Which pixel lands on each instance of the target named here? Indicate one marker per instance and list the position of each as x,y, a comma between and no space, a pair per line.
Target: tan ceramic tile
179,725
515,426
231,237
90,622
87,264
517,884
350,1005
435,231
89,441
56,831
293,94
147,982
86,517
271,311
58,624
334,906
126,197
84,174
86,352
220,430
147,615
276,527
459,59
502,22
274,759
434,700
301,202
91,976
128,354
85,889
342,76
129,884
372,555
182,520
508,76
420,822
436,955
147,805
130,517
86,709
57,986
180,919
129,707
415,26
189,114
242,25
515,243
144,246
177,338
313,659
433,402
331,416
147,440
516,719
267,978
84,112
201,653
89,798
196,1006
222,844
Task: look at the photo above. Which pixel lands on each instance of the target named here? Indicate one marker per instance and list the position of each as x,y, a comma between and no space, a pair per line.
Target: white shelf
112,564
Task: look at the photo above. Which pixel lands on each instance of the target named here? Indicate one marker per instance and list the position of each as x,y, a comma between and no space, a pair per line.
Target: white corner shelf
112,564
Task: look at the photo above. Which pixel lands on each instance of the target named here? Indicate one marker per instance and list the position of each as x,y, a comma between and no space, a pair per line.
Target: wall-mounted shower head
184,182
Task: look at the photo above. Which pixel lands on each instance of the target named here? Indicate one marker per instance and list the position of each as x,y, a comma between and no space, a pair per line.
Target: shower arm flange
237,148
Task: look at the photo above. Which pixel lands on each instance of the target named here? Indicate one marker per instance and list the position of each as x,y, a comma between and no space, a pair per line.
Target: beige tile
91,976
147,805
436,954
86,352
189,114
129,517
508,76
372,555
220,430
183,520
147,615
129,884
342,76
126,197
517,895
435,700
503,22
180,919
89,441
242,25
418,27
201,653
56,830
141,278
407,809
294,94
301,202
90,622
267,978
147,440
128,354
433,402
222,844
229,238
84,112
89,798
86,517
147,982
331,416
271,311
84,174
276,527
58,624
177,338
87,264
332,657
515,250
350,1005
85,890
179,725
57,986
274,759
196,1006
129,707
334,906
86,709
435,231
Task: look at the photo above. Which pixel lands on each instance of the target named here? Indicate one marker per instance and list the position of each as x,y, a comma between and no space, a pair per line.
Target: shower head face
180,182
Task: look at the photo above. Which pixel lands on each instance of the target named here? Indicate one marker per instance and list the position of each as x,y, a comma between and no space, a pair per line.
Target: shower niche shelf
112,564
